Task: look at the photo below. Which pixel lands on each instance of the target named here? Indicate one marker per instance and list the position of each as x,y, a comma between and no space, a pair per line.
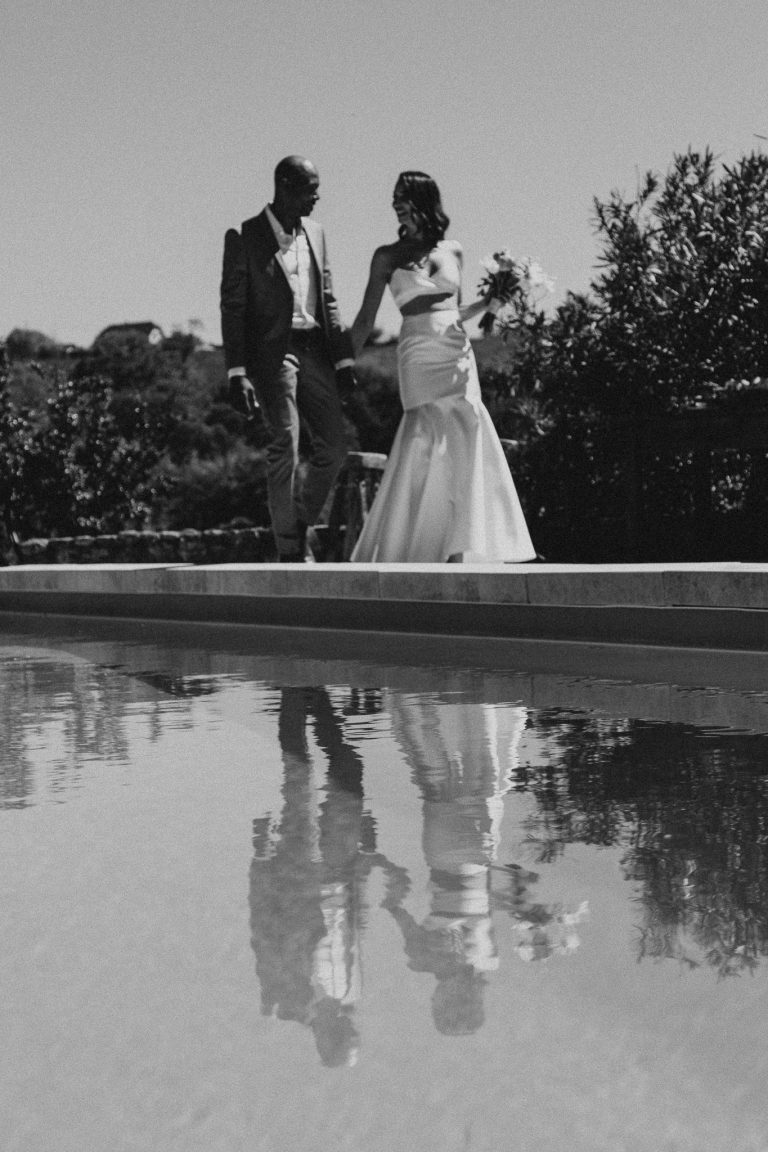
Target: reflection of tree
307,882
85,704
75,710
462,755
16,776
691,812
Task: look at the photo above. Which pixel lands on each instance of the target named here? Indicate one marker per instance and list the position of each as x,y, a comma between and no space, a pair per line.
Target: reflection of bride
462,756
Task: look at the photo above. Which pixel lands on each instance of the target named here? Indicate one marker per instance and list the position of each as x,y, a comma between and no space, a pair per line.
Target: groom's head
296,189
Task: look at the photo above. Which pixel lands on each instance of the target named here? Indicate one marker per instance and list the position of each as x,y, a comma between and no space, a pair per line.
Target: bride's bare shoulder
385,259
454,247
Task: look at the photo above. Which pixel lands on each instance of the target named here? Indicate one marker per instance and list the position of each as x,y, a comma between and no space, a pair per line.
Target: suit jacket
257,302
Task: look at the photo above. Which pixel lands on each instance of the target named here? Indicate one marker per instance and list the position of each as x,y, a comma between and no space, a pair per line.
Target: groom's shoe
311,543
295,547
310,547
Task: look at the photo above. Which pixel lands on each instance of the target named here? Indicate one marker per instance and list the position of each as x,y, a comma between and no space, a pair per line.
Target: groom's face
300,193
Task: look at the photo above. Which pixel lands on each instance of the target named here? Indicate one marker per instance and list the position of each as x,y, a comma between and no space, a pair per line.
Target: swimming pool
257,896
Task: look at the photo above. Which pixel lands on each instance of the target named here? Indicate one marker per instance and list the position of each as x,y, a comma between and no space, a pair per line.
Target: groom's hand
346,382
242,396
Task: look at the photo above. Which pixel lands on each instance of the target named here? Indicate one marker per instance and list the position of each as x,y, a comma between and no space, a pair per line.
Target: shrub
208,492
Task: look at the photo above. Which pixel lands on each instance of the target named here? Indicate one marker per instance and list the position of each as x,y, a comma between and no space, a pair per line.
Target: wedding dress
446,490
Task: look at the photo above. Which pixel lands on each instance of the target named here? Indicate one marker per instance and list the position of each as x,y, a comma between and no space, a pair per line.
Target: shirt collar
284,239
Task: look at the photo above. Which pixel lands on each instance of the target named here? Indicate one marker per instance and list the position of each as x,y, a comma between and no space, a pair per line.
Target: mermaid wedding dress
446,490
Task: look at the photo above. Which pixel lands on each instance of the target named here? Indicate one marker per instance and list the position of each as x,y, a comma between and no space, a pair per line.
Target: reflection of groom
285,347
307,881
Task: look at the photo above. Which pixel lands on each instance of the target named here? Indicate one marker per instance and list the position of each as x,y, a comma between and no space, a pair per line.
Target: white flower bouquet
510,285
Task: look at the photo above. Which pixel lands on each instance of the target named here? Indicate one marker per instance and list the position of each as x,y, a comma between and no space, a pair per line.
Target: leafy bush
677,319
209,492
683,294
375,409
72,470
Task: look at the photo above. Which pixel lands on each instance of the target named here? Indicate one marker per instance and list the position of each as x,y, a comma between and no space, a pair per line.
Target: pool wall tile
717,589
466,584
703,606
234,580
595,587
310,581
506,587
85,578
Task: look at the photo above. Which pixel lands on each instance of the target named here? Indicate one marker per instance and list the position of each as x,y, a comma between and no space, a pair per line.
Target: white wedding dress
446,489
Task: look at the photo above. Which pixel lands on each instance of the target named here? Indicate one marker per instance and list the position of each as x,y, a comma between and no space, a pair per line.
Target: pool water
257,899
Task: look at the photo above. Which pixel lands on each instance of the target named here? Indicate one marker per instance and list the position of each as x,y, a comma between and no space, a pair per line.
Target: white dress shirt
296,260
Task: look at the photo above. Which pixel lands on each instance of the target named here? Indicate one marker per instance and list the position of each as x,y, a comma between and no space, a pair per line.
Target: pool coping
711,605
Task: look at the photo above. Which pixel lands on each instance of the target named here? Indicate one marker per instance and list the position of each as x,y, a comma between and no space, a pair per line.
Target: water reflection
463,756
459,756
687,807
312,861
308,879
65,708
690,809
423,852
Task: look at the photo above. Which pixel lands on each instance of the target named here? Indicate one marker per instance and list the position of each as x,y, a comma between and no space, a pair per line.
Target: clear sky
133,134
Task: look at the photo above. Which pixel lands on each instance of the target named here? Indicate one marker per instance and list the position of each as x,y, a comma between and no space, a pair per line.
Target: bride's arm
381,269
468,311
476,308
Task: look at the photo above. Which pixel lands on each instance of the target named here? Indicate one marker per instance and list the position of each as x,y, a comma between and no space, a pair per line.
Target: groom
287,352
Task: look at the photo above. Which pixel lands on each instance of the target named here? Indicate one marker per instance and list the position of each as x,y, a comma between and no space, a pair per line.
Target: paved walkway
722,606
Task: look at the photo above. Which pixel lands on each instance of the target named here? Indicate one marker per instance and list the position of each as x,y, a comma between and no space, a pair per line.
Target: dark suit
293,373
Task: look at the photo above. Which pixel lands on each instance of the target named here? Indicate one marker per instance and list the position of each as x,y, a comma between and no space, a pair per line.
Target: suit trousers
304,393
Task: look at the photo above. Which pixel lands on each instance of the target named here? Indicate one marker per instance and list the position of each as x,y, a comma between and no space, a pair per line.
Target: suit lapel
269,249
314,238
312,233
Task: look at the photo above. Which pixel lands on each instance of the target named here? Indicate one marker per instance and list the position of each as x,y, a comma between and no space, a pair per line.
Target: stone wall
354,490
213,546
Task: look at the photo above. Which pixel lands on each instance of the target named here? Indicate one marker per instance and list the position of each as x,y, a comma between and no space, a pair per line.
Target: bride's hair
423,195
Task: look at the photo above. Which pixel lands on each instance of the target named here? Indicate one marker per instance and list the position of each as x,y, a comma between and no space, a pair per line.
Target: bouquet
510,285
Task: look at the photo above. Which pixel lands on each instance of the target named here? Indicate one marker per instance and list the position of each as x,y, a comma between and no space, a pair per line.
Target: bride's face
404,211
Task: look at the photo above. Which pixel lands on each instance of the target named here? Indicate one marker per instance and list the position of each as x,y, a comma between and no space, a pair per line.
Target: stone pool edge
723,605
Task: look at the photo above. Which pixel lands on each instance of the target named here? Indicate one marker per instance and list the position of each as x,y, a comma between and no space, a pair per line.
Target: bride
446,493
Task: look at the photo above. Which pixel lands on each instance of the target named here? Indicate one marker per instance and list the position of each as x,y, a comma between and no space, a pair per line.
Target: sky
133,135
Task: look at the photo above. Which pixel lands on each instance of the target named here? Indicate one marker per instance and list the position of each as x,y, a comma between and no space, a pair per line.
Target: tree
126,356
106,473
72,470
676,318
28,344
16,437
683,292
